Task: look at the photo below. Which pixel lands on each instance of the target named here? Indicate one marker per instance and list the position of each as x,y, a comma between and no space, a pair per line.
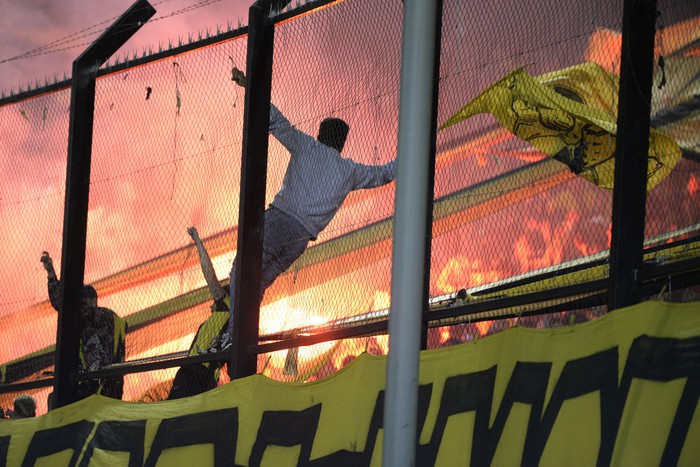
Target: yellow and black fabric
102,343
620,390
197,378
570,115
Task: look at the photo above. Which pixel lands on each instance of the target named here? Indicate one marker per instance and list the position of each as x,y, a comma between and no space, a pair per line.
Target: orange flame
461,269
604,48
693,185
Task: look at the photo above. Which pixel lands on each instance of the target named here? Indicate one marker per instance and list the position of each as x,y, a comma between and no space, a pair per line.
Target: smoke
57,31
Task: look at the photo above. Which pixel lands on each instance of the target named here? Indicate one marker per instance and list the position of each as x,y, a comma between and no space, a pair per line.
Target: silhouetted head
25,406
89,295
333,132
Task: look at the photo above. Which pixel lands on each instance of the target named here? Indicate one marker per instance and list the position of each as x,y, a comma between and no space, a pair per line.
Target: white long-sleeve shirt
318,178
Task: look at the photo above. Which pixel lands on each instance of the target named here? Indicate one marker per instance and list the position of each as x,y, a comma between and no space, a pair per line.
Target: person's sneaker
222,343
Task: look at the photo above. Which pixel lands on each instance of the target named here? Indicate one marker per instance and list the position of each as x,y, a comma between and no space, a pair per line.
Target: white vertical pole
411,231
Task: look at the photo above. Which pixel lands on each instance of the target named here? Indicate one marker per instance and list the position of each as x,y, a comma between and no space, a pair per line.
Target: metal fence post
629,194
256,125
412,229
75,214
431,170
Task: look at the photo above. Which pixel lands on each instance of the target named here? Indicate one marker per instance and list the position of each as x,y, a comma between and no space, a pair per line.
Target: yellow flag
570,115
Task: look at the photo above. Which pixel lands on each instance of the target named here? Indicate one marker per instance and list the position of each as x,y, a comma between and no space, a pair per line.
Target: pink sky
30,24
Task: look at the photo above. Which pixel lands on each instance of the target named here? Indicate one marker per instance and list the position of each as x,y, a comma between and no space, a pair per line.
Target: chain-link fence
543,222
512,217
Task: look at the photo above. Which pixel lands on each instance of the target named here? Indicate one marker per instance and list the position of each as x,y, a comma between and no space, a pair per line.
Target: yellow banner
622,390
570,115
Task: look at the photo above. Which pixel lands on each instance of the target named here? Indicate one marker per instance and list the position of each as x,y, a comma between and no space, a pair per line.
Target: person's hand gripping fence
238,77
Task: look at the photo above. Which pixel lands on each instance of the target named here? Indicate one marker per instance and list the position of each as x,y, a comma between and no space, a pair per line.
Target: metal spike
170,43
189,37
228,25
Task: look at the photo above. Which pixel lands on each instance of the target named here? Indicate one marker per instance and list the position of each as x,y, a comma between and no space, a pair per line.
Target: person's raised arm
215,288
53,283
280,127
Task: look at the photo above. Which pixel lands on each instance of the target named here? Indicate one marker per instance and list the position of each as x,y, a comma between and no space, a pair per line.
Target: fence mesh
167,156
320,73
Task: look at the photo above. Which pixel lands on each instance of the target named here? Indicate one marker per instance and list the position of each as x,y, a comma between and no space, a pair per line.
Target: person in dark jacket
102,337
